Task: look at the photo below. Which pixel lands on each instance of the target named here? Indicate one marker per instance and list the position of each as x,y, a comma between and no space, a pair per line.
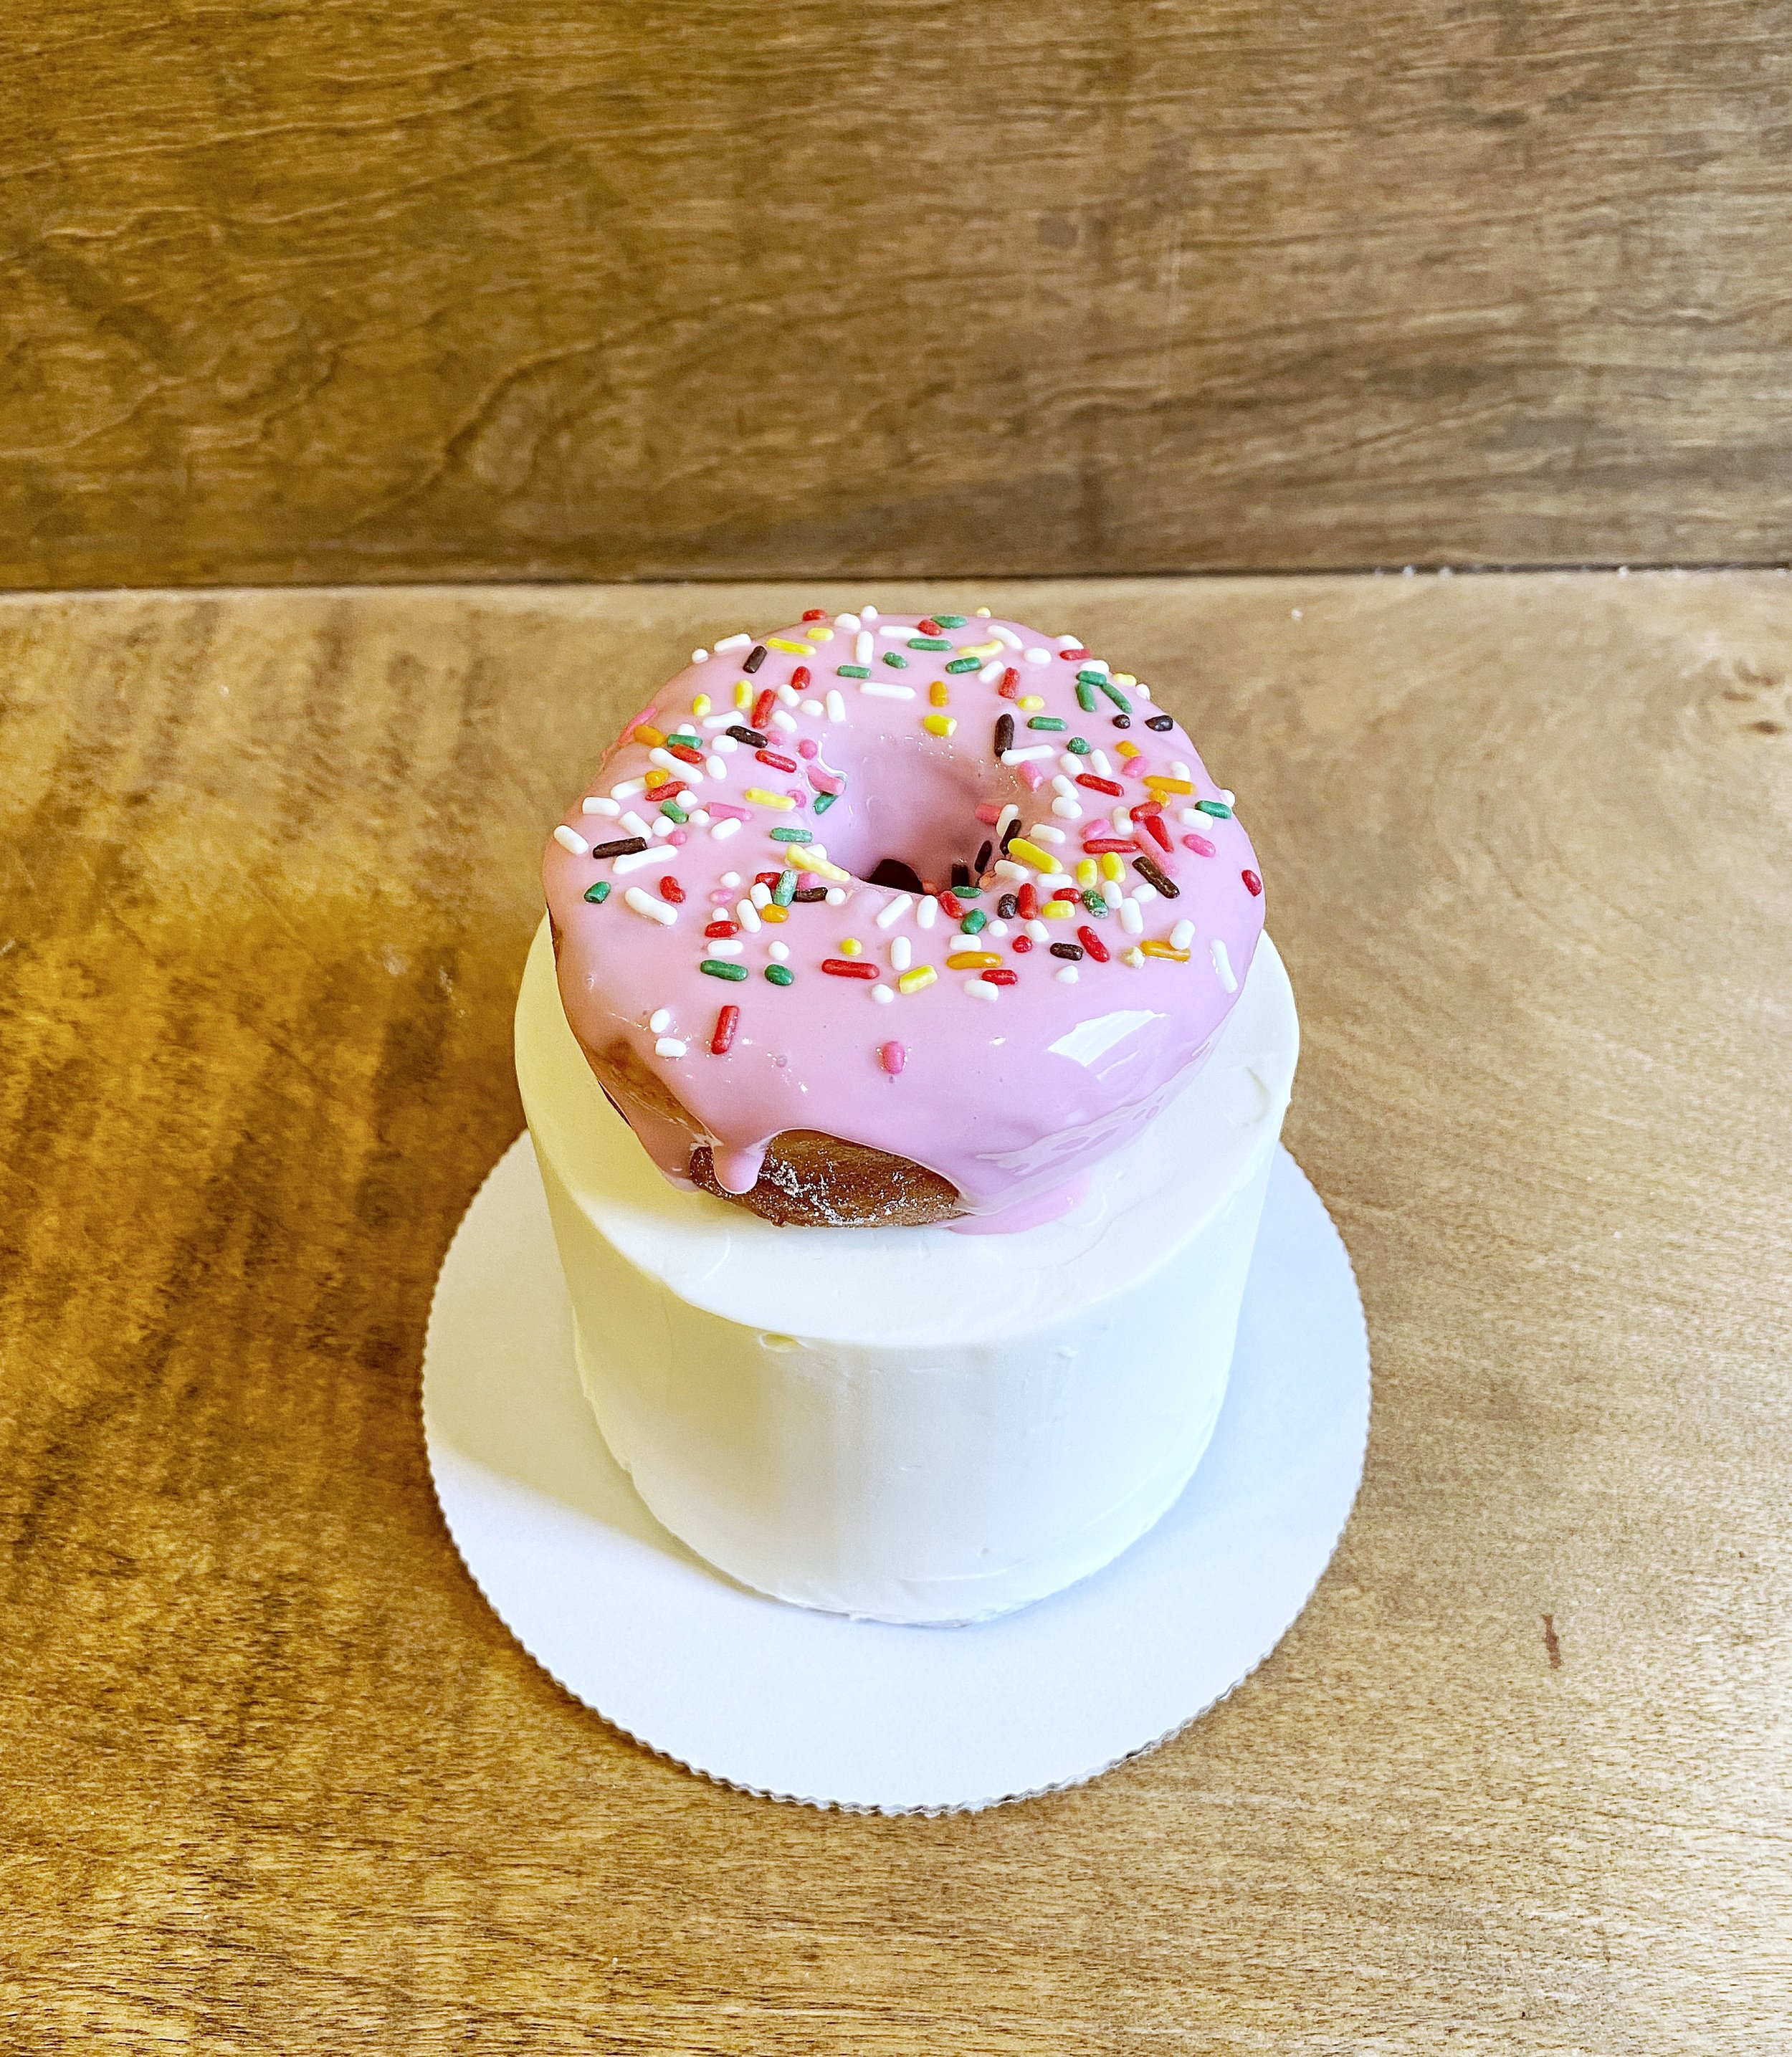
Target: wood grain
333,292
276,1780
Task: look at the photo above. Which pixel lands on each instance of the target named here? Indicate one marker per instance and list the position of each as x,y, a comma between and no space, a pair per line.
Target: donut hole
913,806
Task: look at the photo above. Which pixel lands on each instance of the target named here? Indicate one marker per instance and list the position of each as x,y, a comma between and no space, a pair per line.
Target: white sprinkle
632,861
980,988
1144,891
1002,635
1060,783
927,913
594,807
1099,764
991,673
747,915
725,745
882,692
720,830
1010,812
668,1046
1123,820
1190,818
761,894
883,994
862,647
717,767
664,824
633,823
997,928
867,614
1067,810
719,720
849,622
1037,930
1132,916
655,910
787,722
1230,799
778,952
836,705
894,910
1028,755
895,629
1097,664
742,642
813,709
1067,976
1057,882
1111,892
1134,956
1070,643
1181,770
1046,833
628,789
1072,766
570,839
836,896
902,953
1182,935
699,656
659,1021
816,850
1223,965
724,949
1143,691
1006,868
1039,657
983,614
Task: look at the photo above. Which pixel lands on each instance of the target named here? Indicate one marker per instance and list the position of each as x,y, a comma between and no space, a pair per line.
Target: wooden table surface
275,1780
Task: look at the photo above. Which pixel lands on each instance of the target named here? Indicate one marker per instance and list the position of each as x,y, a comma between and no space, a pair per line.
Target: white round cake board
796,1705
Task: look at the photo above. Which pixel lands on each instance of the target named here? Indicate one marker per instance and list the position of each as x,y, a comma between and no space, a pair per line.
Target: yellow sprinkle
806,860
912,982
818,634
972,961
1164,950
772,912
1126,750
1160,784
1058,910
1030,853
645,732
851,947
1111,865
1125,679
743,693
1030,704
979,649
786,643
699,707
1086,872
938,724
760,798
939,693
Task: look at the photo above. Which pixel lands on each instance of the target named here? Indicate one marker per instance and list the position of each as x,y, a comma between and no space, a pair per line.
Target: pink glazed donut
889,920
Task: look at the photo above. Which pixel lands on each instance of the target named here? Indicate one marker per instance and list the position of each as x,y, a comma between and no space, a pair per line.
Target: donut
898,919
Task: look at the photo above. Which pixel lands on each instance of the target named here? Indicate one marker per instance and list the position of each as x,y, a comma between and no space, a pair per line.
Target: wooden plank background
275,1779
323,291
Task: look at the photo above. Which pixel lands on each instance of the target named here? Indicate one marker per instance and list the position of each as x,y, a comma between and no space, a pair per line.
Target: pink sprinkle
826,781
727,811
678,837
1033,775
798,795
988,814
808,747
1200,845
721,897
893,1056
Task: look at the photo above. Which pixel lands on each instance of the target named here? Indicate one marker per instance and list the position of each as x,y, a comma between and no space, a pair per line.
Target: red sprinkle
815,614
1010,686
848,967
1100,845
1155,829
671,889
777,763
1253,884
1100,785
723,928
1092,943
726,1023
767,877
1142,807
799,678
953,906
761,708
1027,901
1073,656
999,975
893,1056
683,752
1200,845
1021,945
930,627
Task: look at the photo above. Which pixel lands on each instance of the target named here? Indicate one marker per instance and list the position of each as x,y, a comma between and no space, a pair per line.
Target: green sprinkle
1085,697
968,892
1116,697
1047,721
780,975
975,920
823,801
786,886
1218,808
597,895
1077,744
852,671
1092,678
890,657
964,664
791,835
950,620
1093,901
674,812
929,643
685,733
720,968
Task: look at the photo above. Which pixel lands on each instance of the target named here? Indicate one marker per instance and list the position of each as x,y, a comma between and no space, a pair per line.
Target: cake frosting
905,1423
758,931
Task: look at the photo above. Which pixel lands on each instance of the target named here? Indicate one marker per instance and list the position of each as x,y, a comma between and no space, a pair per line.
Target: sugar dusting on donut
945,890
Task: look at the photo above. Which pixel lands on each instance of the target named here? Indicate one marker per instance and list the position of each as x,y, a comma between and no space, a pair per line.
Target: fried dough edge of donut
812,1180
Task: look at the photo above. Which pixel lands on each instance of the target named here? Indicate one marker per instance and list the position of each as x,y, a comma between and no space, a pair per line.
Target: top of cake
938,887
